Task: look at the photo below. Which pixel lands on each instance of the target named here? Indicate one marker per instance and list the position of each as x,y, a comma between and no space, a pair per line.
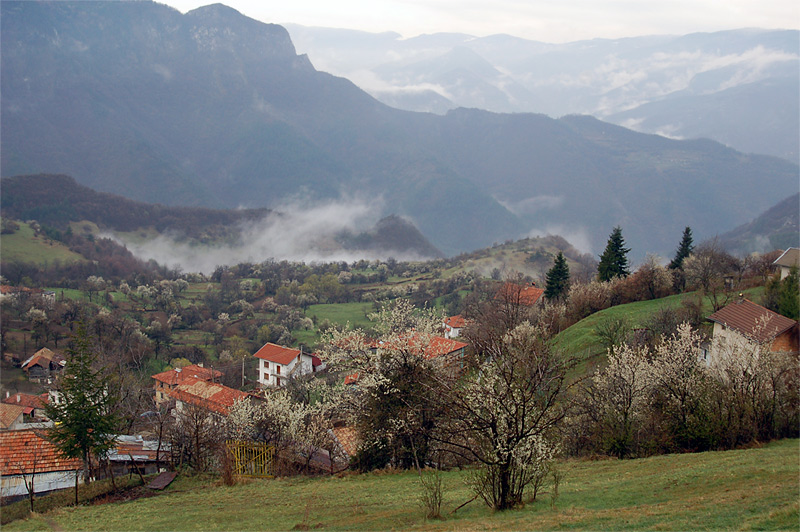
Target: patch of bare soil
131,494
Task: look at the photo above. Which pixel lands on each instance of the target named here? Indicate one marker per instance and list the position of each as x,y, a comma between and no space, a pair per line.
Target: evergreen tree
789,299
685,249
84,413
557,278
614,260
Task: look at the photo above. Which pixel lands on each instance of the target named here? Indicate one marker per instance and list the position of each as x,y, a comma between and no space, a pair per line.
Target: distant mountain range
776,228
214,109
58,201
738,87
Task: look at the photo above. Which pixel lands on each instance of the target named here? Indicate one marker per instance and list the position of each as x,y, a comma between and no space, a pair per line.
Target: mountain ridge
179,109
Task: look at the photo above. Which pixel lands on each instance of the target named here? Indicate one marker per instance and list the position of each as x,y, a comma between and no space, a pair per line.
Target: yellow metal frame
251,459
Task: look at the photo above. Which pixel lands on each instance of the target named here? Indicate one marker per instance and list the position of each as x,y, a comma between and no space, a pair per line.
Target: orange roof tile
277,353
9,414
524,295
456,322
348,438
753,321
442,346
23,451
209,395
26,400
178,375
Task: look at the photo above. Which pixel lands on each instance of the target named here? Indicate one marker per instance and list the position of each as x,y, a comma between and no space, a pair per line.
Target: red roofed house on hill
453,326
747,321
33,404
277,363
25,453
167,381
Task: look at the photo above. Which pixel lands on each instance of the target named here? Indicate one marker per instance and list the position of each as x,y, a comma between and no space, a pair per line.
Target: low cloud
302,232
533,205
577,236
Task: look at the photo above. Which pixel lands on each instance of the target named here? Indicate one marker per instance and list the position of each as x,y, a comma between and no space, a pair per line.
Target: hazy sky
542,20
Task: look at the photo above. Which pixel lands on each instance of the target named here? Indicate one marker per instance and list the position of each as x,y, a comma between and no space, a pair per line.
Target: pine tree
557,278
614,260
685,249
84,413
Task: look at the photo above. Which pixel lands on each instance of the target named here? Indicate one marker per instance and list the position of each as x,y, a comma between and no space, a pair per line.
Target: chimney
18,398
8,394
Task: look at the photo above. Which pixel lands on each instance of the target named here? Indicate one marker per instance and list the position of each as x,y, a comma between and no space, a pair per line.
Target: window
277,381
277,369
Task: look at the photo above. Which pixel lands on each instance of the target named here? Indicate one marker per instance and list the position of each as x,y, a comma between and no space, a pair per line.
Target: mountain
776,228
738,87
214,109
58,201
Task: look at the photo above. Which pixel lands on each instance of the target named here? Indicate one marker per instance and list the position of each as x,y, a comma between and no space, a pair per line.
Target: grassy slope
23,246
580,340
733,490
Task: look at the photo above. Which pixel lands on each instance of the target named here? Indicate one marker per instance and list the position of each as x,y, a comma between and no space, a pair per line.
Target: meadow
749,489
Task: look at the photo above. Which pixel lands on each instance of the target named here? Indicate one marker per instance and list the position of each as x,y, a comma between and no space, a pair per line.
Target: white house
453,326
277,363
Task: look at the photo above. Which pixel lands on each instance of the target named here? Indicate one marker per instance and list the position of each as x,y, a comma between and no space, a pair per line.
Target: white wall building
277,363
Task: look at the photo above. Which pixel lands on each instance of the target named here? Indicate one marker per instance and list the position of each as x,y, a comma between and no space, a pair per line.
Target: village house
167,381
788,260
135,455
749,322
26,455
453,326
12,417
526,295
33,404
277,363
210,396
43,365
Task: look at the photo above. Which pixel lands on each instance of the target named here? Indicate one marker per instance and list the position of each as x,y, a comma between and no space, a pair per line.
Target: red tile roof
753,321
26,400
209,395
9,414
456,322
526,295
442,346
351,379
277,354
178,375
348,439
22,451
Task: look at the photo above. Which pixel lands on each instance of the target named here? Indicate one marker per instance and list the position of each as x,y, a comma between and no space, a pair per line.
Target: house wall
268,373
788,341
14,485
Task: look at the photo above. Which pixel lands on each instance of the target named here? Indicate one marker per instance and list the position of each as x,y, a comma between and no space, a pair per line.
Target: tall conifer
557,278
614,260
685,249
84,413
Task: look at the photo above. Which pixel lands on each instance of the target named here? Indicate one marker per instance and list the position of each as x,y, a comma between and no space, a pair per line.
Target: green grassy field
24,246
754,489
580,339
